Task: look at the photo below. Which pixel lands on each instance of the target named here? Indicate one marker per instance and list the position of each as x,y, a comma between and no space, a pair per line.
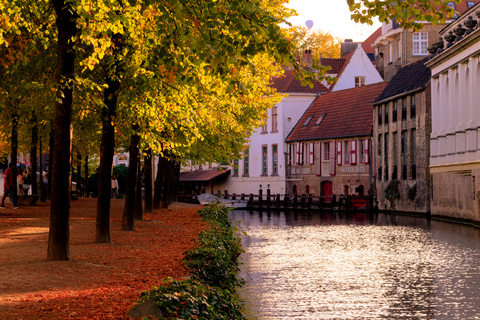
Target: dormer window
320,119
452,5
470,4
308,120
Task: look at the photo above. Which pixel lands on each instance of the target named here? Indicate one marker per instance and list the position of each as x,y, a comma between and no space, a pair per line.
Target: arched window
122,158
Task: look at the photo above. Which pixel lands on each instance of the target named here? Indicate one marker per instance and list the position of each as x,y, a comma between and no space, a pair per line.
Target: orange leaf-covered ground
101,281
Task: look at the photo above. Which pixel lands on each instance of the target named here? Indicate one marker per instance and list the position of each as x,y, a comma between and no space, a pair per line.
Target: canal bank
300,265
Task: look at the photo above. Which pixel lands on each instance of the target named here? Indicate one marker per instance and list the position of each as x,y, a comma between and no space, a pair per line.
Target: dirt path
102,281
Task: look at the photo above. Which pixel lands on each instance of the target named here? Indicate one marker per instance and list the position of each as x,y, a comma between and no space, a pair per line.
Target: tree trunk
86,177
33,153
138,195
157,199
51,153
79,175
107,148
59,234
166,185
14,146
128,218
148,164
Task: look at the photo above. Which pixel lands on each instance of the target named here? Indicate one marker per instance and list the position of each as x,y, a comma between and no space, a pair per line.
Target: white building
355,69
455,138
263,164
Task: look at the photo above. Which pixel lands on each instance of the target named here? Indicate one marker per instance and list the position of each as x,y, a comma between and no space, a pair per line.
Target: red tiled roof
462,6
202,175
287,83
349,113
335,63
347,59
367,44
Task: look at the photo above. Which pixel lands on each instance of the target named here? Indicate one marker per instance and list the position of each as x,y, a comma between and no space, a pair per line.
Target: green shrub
213,267
191,299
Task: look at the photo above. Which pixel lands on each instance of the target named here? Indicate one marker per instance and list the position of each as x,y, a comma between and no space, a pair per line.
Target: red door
326,190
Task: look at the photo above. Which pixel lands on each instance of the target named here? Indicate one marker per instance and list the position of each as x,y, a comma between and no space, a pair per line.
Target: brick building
329,148
401,133
396,46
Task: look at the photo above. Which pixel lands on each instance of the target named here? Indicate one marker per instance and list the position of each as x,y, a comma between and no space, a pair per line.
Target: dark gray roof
412,77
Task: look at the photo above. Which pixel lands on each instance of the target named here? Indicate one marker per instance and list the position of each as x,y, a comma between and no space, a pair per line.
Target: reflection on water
329,266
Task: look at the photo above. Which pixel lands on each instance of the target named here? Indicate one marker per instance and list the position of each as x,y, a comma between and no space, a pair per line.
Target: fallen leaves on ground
101,281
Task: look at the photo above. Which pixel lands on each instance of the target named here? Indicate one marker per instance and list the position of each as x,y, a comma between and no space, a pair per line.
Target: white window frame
419,43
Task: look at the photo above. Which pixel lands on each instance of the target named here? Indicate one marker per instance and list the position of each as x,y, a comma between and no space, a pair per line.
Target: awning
203,175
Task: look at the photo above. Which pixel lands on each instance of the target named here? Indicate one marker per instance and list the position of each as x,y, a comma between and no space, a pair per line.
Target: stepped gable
408,78
287,83
348,113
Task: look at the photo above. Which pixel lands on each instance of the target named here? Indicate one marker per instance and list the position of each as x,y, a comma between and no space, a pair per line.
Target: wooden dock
269,201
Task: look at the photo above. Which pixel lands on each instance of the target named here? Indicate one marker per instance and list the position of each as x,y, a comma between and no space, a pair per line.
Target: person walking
9,188
114,188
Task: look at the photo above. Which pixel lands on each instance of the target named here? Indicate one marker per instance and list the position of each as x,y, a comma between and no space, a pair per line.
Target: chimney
307,58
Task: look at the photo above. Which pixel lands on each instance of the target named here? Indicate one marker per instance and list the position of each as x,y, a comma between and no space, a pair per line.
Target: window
275,159
395,155
274,119
320,119
390,52
379,144
404,108
470,4
452,5
264,161
264,126
308,120
420,43
346,153
386,114
245,163
399,48
353,151
361,151
412,106
413,154
235,167
394,112
326,151
404,155
385,156
359,81
380,115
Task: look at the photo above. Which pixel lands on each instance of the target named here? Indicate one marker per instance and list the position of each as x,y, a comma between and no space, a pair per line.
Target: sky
331,16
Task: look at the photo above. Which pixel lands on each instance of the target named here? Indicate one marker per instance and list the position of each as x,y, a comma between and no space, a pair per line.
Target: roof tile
348,113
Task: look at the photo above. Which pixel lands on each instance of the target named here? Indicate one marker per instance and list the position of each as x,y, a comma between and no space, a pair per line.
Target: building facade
455,138
329,148
401,148
396,46
263,163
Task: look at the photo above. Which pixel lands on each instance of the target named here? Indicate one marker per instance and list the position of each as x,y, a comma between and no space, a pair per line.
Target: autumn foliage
102,281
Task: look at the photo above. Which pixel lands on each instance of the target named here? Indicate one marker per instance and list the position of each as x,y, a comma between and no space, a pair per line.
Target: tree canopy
408,13
320,42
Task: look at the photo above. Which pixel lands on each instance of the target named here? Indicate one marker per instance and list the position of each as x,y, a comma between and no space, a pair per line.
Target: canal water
336,266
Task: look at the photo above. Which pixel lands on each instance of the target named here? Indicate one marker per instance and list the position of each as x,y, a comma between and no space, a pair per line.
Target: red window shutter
353,152
318,158
339,153
312,161
366,150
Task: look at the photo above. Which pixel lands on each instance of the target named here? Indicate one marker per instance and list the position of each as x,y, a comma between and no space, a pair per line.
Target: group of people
24,179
